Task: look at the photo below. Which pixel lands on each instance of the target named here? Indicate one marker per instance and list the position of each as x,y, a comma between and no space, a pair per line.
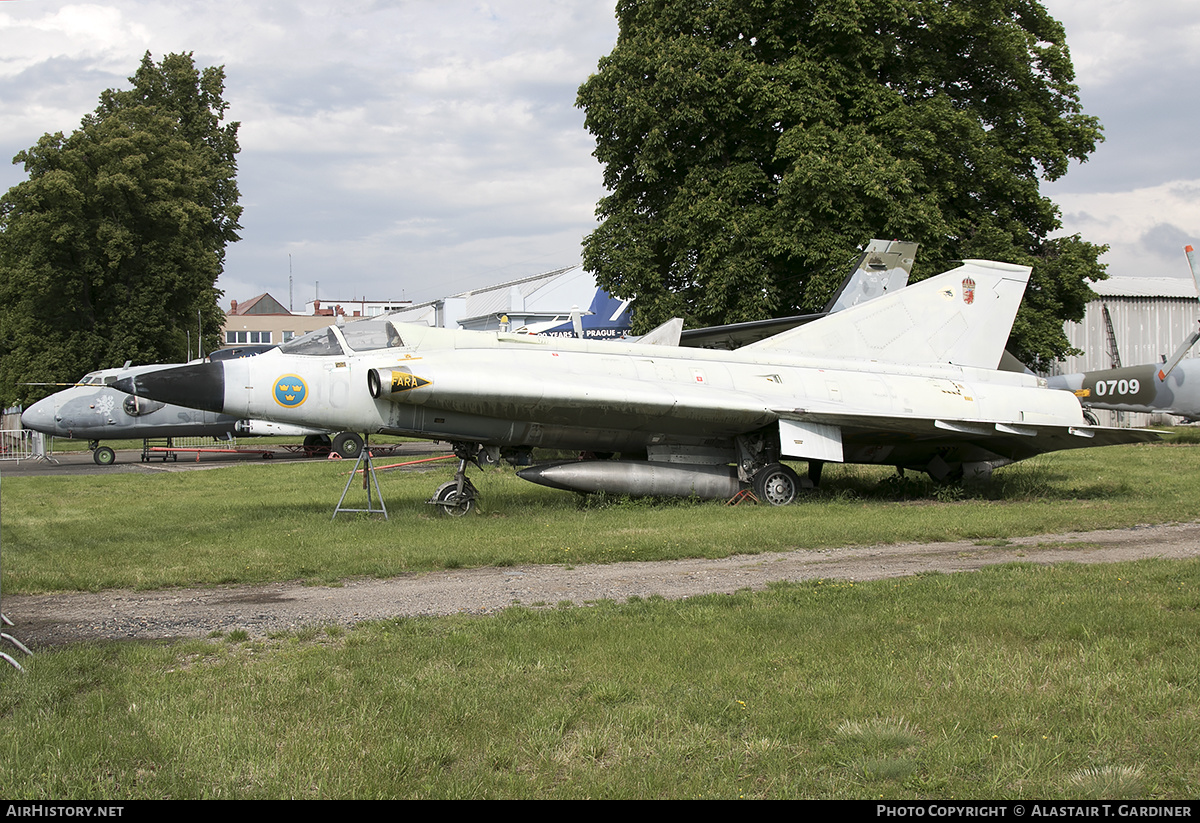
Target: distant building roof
1145,287
263,304
355,307
539,304
500,297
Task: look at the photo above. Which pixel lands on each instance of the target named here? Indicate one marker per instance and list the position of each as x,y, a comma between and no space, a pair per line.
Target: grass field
1015,682
262,522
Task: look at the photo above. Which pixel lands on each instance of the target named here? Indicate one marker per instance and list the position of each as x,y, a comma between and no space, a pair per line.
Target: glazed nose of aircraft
40,417
197,386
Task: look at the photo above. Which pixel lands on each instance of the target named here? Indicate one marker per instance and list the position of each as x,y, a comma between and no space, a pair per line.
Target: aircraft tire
453,503
348,444
104,456
776,484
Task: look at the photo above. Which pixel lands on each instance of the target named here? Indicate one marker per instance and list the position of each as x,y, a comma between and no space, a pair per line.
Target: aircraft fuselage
520,391
1138,389
100,412
908,380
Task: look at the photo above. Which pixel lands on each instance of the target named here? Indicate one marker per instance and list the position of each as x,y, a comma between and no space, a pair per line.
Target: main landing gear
771,481
348,445
775,484
457,497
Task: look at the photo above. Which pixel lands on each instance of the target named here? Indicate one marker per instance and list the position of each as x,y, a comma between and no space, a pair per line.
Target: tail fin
962,317
665,335
1194,264
1191,340
883,268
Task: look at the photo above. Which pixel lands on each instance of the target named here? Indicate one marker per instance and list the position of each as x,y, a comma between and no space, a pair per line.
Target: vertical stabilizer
1191,340
1194,265
883,268
666,334
962,317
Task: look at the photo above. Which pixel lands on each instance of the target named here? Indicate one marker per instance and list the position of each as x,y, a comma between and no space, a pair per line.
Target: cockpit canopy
367,335
314,344
359,336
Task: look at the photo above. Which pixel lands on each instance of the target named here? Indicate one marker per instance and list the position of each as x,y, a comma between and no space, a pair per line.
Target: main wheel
453,502
104,456
776,484
348,444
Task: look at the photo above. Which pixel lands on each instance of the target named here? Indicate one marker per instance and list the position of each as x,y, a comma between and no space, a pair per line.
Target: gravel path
42,620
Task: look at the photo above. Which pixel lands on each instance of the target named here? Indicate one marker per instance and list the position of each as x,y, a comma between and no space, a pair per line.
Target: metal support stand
4,621
6,636
39,448
164,453
369,480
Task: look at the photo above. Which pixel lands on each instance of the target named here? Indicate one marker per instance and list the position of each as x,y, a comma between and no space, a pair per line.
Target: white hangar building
540,304
1146,317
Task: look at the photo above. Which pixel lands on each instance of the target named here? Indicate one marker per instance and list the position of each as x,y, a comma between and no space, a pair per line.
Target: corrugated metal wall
1146,329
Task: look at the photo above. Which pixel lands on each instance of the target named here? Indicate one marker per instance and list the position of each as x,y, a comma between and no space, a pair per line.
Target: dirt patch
42,620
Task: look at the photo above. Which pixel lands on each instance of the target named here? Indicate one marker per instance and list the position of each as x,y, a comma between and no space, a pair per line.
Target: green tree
110,251
751,146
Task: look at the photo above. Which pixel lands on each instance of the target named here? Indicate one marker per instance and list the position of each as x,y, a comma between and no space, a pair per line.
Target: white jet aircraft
908,380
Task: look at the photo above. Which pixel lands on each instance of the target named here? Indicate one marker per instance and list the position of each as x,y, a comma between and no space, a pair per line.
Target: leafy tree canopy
110,251
751,146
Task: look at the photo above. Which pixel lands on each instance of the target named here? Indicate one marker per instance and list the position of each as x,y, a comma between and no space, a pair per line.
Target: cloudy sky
407,149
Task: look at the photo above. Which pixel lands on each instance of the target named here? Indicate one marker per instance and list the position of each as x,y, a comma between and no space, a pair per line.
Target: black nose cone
199,386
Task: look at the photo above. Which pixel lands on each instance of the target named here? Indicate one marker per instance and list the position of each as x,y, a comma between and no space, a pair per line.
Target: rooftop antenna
290,308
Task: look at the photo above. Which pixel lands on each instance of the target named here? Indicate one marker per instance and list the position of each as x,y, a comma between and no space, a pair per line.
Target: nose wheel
457,497
103,455
455,502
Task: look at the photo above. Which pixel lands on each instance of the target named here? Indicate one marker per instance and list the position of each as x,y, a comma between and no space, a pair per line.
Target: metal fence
19,444
203,442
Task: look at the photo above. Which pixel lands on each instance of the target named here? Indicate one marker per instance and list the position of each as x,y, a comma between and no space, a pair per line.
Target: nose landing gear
102,455
457,497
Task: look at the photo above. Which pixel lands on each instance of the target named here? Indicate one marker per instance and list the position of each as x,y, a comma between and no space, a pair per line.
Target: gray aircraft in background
1171,387
93,410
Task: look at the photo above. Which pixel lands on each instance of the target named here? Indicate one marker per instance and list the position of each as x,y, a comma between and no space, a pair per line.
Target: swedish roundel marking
290,391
